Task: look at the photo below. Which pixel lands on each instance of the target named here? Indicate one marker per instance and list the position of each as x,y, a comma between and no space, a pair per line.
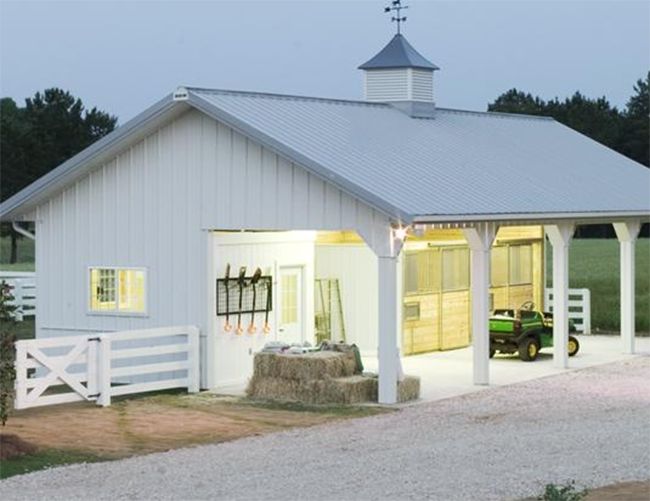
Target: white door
290,305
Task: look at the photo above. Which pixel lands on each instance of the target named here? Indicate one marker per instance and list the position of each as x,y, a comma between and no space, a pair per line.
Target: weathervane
396,6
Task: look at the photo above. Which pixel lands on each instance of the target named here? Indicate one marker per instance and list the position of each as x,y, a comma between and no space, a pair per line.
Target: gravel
591,426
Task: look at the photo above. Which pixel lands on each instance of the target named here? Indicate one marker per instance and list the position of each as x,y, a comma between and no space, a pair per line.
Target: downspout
19,229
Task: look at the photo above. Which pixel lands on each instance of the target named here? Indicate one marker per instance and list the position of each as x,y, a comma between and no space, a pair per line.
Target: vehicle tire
574,346
492,351
529,349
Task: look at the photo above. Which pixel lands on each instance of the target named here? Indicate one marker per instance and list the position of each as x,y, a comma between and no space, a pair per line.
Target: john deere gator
525,331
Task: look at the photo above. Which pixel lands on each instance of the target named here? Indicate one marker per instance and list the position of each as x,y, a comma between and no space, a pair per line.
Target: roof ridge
497,114
285,96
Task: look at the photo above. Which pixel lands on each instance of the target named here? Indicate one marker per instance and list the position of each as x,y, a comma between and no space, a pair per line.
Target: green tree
52,127
7,351
635,137
515,101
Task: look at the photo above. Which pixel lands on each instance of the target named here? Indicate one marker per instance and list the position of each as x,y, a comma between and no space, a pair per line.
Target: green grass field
25,255
594,265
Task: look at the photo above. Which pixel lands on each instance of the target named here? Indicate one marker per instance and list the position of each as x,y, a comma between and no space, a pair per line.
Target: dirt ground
159,423
625,491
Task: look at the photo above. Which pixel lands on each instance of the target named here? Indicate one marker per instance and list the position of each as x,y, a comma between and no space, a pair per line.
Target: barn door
291,305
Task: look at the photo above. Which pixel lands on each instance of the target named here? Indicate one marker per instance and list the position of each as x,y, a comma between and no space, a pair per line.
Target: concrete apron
447,374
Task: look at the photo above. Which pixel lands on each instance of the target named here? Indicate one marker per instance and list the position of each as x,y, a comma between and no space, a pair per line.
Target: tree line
51,127
626,131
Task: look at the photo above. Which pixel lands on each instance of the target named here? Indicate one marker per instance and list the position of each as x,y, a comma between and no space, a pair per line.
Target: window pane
455,269
117,290
289,299
410,272
421,271
520,264
131,291
102,289
499,266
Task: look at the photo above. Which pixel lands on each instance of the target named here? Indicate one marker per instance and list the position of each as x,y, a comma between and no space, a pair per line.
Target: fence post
19,300
92,362
586,311
104,370
20,385
193,358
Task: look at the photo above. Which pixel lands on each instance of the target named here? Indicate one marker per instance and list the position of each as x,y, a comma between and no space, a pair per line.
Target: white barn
135,231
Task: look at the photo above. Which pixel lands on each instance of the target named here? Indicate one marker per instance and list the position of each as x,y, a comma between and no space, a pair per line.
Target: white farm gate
579,308
23,289
96,368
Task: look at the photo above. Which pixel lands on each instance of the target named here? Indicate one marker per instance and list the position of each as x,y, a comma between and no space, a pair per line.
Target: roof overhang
466,220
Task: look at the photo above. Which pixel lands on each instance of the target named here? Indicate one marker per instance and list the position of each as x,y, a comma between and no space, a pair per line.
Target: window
455,269
520,269
499,266
422,271
117,290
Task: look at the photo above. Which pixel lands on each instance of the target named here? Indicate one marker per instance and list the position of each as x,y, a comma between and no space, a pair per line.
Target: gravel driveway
592,426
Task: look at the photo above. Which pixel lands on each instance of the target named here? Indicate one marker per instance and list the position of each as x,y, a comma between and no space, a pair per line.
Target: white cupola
398,73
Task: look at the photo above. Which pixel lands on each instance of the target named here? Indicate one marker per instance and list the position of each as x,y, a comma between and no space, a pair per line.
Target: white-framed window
117,290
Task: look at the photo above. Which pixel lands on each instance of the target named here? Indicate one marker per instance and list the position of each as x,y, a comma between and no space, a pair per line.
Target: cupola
398,73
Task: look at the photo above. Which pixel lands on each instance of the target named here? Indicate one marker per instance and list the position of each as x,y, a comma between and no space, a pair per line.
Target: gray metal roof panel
398,53
459,163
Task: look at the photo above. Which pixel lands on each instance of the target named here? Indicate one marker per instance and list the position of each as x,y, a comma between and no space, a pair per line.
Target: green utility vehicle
525,331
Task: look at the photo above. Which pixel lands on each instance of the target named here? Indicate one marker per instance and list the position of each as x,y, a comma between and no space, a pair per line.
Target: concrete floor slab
447,374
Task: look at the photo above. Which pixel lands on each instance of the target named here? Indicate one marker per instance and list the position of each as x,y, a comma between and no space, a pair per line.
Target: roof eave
585,217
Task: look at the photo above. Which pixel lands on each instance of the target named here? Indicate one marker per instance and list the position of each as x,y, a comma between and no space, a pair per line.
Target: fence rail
96,368
579,307
23,285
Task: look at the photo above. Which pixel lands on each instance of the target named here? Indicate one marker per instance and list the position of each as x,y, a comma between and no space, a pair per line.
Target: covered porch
480,237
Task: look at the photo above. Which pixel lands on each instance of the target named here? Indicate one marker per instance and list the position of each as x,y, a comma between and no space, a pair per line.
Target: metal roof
459,163
457,166
398,53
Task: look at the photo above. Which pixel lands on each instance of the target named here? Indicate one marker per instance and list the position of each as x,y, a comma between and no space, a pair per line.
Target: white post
193,358
560,237
386,242
19,300
388,354
104,370
480,239
20,384
627,234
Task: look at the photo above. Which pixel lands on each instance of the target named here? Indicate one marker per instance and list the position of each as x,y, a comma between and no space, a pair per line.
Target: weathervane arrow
396,6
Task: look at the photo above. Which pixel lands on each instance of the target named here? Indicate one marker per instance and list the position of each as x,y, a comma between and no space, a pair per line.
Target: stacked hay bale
321,377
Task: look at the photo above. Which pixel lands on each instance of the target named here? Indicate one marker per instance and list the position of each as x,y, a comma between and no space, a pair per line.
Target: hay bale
408,389
347,390
304,367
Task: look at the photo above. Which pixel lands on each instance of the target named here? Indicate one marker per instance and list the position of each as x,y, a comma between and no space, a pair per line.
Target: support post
480,239
104,370
627,234
560,237
386,242
387,306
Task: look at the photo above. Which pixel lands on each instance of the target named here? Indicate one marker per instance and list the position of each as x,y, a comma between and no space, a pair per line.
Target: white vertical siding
152,205
355,266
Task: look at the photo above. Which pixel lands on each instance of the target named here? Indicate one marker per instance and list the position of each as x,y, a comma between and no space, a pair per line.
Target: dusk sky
123,56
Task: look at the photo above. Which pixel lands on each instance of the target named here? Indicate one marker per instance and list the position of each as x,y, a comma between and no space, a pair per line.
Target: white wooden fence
96,368
23,285
579,308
